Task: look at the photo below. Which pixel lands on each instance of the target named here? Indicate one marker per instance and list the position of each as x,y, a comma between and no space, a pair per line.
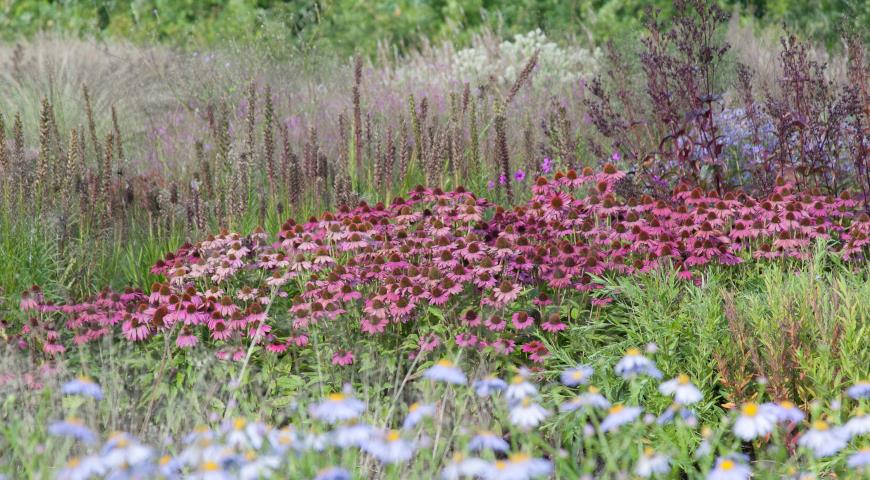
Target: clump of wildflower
461,466
619,415
578,375
488,385
416,413
652,463
83,386
823,440
74,428
754,421
486,440
527,414
729,468
592,397
682,389
390,447
338,407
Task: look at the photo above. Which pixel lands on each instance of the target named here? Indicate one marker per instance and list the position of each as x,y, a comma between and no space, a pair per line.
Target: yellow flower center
239,423
750,409
414,407
577,375
336,397
616,409
201,429
500,465
518,380
820,425
210,466
786,404
74,421
518,458
85,379
250,455
683,379
648,451
593,389
632,352
445,363
457,457
165,459
393,436
73,462
726,465
526,401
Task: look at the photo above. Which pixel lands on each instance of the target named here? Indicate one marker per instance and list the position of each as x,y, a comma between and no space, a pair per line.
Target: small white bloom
578,375
729,469
390,448
488,441
823,440
354,435
489,385
338,407
858,425
445,371
682,389
859,459
464,467
859,390
519,389
652,463
787,412
634,364
416,413
754,421
619,415
590,398
527,415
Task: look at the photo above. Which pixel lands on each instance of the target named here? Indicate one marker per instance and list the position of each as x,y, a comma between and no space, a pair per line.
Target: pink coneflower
465,340
134,330
226,307
53,348
553,324
220,330
503,346
537,351
429,342
276,347
186,339
298,340
602,301
342,358
378,326
507,292
495,323
470,318
522,320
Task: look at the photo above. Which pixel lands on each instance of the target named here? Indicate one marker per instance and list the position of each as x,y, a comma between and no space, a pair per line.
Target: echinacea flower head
486,440
416,413
578,375
390,448
859,460
74,428
859,390
682,389
652,463
488,385
83,386
333,473
461,466
824,440
619,415
527,414
728,468
754,421
634,363
445,371
338,407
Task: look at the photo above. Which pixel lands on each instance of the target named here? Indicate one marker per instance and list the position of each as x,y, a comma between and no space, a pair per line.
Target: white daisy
754,421
634,364
84,386
578,375
489,385
416,413
591,398
519,389
461,466
333,473
82,468
652,463
858,425
859,459
787,412
682,389
823,440
527,414
859,390
338,407
729,469
390,448
619,415
518,466
353,435
445,371
486,440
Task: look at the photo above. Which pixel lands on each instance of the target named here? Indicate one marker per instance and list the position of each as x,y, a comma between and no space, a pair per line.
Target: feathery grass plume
453,138
250,123
92,125
268,137
502,149
417,129
223,140
311,152
4,153
522,78
569,146
43,158
322,179
116,132
106,178
18,146
389,160
58,154
473,164
73,173
357,121
198,211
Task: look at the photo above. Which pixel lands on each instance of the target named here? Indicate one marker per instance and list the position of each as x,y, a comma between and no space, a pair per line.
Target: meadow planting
513,258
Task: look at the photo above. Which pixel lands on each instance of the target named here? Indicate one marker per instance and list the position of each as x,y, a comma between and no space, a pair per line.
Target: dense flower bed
502,274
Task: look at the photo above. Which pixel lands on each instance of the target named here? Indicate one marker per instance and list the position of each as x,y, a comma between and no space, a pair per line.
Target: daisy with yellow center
754,421
682,389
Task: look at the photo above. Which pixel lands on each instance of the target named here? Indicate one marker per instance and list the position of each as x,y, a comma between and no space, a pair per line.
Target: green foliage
348,26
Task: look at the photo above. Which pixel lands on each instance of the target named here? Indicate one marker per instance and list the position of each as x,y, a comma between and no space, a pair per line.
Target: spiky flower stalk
74,162
405,152
268,138
502,148
92,126
43,158
343,185
116,131
523,77
473,163
4,154
417,128
357,120
251,123
106,176
205,173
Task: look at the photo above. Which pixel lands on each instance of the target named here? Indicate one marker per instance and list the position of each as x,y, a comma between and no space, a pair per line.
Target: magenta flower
520,175
342,358
522,320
